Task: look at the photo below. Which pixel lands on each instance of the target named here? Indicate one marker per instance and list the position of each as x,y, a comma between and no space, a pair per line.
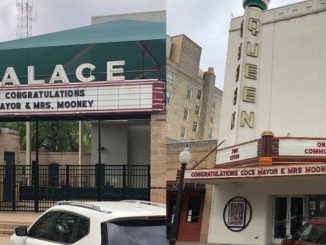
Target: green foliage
56,136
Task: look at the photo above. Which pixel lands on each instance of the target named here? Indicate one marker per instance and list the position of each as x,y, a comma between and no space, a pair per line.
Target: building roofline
273,9
186,37
131,13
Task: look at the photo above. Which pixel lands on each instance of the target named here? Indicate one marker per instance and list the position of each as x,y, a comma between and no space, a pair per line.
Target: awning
140,43
108,32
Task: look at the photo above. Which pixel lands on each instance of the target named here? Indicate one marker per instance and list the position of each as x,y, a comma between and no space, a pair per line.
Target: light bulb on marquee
262,4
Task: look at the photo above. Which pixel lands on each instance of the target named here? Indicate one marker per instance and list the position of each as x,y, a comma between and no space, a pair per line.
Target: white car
97,223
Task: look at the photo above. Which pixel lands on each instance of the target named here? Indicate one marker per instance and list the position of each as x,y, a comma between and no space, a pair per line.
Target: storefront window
280,217
193,210
316,206
288,215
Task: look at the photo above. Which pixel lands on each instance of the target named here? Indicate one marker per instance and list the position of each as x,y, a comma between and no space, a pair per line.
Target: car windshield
315,233
136,232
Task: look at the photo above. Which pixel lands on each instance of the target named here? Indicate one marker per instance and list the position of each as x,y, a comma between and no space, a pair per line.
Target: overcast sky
206,22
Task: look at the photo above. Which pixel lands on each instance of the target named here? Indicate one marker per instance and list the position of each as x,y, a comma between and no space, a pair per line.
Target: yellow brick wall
158,158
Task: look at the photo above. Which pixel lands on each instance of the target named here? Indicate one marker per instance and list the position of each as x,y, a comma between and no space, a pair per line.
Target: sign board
237,153
302,147
277,171
83,98
237,214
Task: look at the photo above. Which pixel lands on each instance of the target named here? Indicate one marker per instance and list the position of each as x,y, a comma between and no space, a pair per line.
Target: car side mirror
21,231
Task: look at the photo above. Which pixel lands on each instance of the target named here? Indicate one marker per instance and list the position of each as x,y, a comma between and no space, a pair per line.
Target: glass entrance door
288,215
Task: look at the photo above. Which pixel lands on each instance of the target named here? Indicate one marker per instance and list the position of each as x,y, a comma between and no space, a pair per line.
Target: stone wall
9,142
158,158
62,158
203,105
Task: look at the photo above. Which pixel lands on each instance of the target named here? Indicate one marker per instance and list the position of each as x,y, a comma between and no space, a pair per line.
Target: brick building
193,114
193,101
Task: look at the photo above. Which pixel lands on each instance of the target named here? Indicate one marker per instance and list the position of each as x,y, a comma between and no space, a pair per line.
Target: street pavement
4,239
16,218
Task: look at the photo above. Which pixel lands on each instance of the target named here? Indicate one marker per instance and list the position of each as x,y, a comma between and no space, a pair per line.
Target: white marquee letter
31,76
59,74
10,77
112,70
79,72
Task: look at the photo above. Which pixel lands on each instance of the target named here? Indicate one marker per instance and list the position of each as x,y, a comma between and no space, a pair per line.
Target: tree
56,136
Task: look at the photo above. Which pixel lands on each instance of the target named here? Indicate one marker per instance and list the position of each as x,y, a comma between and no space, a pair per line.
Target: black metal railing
37,187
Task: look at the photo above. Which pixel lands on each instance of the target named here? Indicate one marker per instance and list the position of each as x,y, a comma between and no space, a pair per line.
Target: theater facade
269,175
110,74
265,189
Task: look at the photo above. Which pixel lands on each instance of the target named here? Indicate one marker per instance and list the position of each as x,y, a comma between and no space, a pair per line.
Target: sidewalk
4,239
15,219
18,217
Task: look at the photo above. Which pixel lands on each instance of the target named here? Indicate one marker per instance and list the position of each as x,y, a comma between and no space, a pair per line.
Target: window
317,234
199,94
41,229
210,130
168,97
197,110
316,206
189,94
136,231
239,51
63,227
304,232
195,126
183,133
170,77
237,74
185,114
235,96
193,210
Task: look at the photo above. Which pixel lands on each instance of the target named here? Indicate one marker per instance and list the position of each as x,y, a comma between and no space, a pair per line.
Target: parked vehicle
105,223
312,232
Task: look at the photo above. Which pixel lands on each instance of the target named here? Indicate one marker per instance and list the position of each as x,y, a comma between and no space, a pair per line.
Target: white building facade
270,175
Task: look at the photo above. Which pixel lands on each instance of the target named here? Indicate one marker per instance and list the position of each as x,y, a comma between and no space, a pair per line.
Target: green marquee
140,43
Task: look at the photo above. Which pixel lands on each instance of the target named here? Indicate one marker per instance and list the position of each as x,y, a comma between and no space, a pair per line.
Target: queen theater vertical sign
244,116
